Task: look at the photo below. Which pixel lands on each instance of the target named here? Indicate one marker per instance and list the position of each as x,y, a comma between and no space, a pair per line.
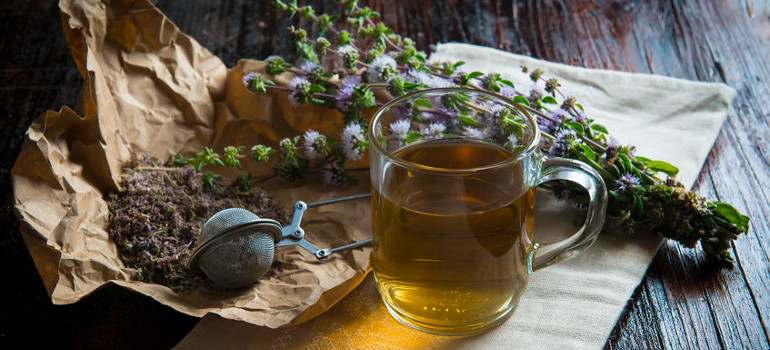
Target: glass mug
454,173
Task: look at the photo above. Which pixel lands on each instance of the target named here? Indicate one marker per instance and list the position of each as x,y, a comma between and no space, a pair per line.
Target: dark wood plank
737,166
37,73
641,320
683,302
733,297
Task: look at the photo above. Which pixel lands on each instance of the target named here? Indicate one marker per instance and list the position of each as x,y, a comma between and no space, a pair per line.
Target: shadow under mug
454,173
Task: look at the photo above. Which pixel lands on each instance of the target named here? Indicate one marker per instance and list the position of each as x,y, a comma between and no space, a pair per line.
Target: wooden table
684,301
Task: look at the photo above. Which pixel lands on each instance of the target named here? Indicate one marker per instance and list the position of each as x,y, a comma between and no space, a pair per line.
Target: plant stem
265,178
357,61
303,73
573,109
547,135
283,88
399,48
387,40
158,168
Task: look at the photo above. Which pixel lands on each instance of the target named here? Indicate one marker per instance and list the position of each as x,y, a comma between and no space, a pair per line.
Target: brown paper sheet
151,89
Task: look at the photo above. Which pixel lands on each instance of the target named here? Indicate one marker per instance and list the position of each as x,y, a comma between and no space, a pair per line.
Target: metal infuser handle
340,199
293,234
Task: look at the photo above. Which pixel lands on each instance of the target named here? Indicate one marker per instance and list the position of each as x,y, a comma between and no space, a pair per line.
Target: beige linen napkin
571,305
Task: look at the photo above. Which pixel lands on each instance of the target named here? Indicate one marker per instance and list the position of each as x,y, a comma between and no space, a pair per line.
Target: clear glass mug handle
542,255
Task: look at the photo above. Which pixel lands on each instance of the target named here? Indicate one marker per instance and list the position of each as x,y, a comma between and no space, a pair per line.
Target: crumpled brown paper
151,89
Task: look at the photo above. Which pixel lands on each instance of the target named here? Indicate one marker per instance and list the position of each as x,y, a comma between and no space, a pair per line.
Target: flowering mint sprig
261,153
257,82
366,56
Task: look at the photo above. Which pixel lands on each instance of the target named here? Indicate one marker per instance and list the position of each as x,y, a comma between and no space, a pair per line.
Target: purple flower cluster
353,141
536,92
314,144
402,111
614,148
433,131
333,174
494,122
400,129
382,69
248,78
627,183
300,92
309,66
508,92
561,145
344,98
554,119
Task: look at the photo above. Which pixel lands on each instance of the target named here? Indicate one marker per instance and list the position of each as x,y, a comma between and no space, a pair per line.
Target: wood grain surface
684,301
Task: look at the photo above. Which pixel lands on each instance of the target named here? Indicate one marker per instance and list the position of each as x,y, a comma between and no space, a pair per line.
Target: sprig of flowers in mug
343,69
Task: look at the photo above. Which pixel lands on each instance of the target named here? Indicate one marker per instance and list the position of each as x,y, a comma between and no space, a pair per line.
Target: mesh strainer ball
235,248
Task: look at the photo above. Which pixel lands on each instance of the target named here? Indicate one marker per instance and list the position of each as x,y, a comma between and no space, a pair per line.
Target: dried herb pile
157,219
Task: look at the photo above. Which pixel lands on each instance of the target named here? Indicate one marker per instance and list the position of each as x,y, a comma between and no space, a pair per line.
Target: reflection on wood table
684,301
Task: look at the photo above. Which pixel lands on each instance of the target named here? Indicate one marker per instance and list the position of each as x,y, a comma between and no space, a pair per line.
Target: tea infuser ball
236,247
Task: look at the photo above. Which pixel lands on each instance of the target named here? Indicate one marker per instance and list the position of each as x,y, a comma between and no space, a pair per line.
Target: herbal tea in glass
454,173
451,254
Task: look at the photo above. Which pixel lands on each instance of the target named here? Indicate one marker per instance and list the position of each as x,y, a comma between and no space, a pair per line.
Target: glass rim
526,152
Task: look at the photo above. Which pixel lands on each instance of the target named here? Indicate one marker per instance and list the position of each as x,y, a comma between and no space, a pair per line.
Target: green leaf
643,160
627,166
619,197
468,120
587,151
423,103
612,207
521,99
659,165
638,210
209,177
181,160
514,126
724,224
615,170
418,117
733,215
549,100
316,88
459,63
473,75
244,181
599,128
744,223
306,51
575,126
603,172
412,136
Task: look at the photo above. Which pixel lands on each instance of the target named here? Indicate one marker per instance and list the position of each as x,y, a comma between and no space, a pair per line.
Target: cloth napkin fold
571,305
